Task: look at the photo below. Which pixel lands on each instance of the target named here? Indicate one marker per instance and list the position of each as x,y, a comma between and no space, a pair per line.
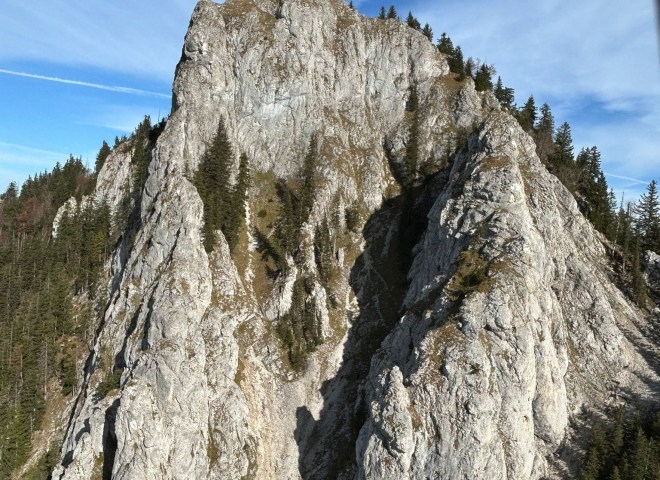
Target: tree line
411,21
631,227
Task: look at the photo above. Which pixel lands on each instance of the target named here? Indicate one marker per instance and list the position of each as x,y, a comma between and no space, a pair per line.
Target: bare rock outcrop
471,318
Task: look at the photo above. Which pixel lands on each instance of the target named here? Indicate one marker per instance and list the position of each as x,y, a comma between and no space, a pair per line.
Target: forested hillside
42,332
53,289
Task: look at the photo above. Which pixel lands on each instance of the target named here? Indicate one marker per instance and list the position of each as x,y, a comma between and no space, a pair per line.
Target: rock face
652,270
472,318
112,184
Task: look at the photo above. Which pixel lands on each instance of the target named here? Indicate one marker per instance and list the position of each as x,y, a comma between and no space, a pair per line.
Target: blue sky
593,62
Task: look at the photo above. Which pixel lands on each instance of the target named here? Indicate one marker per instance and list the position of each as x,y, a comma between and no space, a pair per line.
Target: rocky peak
467,323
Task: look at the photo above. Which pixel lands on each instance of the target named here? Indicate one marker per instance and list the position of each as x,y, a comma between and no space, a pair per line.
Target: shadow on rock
327,446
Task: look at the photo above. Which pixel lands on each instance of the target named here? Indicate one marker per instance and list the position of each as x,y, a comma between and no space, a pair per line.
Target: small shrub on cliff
109,383
471,274
299,330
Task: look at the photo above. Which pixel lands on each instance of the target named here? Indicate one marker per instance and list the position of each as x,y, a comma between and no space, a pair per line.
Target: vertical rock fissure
379,281
109,440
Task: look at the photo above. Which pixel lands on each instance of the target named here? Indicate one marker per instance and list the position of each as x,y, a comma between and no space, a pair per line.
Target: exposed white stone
113,184
420,385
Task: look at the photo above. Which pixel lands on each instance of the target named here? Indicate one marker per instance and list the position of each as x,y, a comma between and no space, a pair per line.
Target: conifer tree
140,157
504,95
101,156
483,78
470,66
560,161
563,145
323,251
212,182
296,209
527,115
242,182
391,13
616,475
546,121
299,329
236,209
499,88
591,184
545,130
445,45
648,218
383,14
640,456
308,188
625,238
288,222
412,22
611,232
456,63
239,196
428,32
638,282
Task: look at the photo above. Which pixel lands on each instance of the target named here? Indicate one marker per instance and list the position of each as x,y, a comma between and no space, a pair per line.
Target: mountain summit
403,290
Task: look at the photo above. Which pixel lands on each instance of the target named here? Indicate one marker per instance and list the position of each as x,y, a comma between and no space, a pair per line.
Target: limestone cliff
472,316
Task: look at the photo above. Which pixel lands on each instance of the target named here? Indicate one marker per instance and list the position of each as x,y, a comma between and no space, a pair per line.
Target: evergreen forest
53,289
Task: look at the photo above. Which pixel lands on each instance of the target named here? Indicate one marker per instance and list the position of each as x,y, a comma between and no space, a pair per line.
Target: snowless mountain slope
470,314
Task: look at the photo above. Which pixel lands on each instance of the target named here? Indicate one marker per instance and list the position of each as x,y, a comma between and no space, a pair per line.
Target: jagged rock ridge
475,311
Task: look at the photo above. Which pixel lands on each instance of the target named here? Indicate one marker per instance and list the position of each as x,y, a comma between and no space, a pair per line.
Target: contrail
30,149
641,182
98,86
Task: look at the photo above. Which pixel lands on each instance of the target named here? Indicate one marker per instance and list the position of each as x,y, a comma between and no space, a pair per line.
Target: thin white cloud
623,177
4,146
19,161
118,36
551,50
98,86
